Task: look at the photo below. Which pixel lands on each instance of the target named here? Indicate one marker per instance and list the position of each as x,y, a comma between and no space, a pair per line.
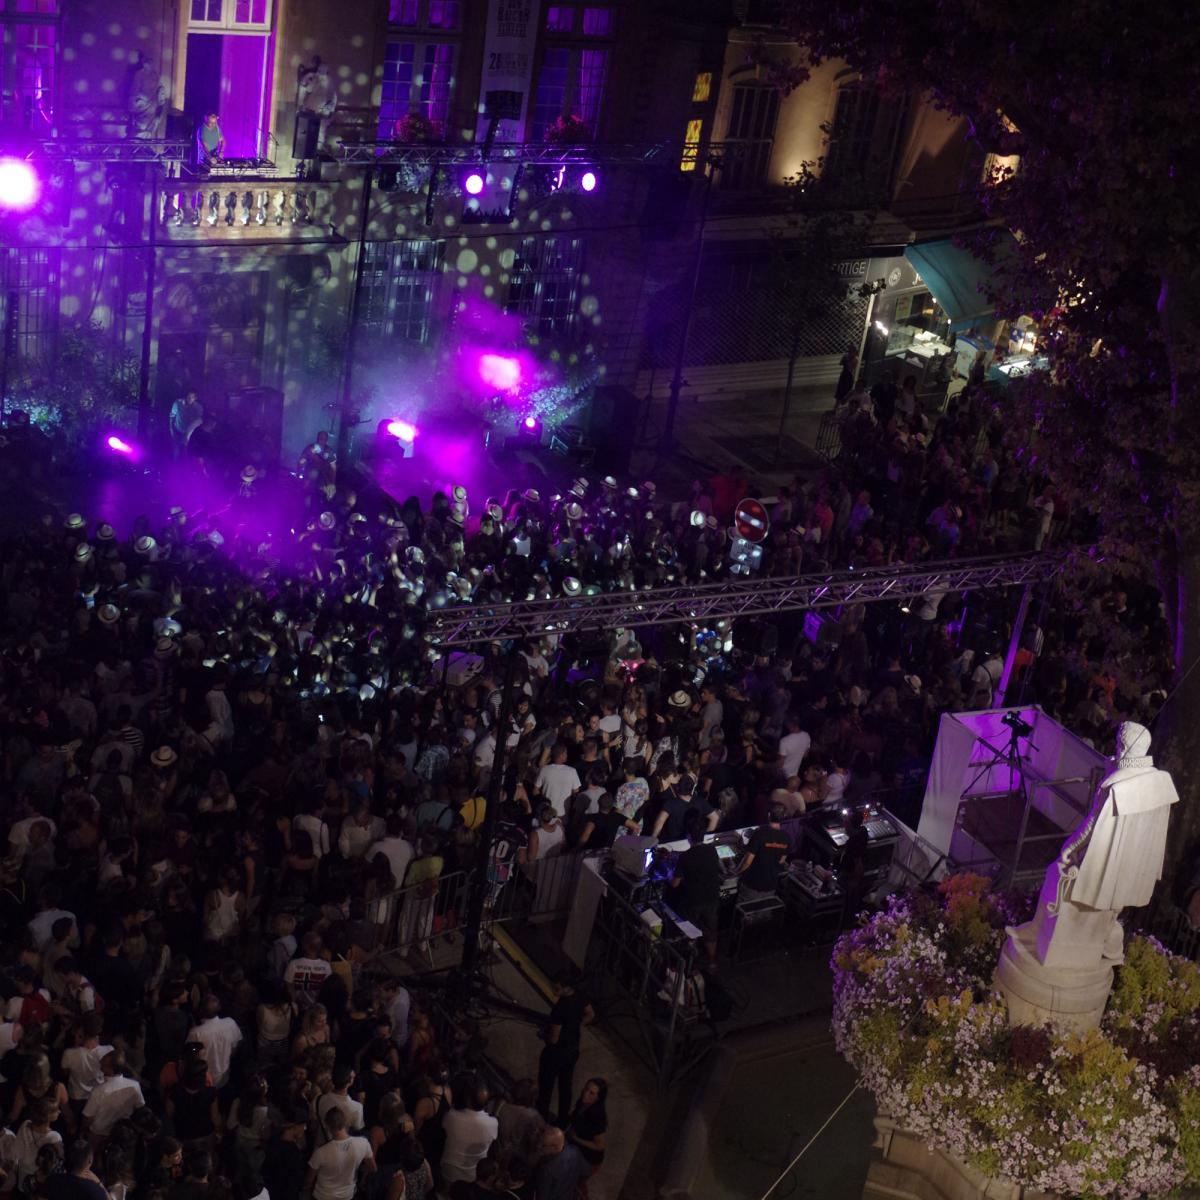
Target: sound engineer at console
766,854
697,883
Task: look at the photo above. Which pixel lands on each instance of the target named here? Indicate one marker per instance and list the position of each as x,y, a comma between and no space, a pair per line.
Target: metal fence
829,438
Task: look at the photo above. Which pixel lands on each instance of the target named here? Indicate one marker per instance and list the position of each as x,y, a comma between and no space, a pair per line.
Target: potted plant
415,129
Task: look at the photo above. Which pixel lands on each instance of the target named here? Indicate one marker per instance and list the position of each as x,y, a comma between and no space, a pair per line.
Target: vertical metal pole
787,389
346,402
668,433
11,304
148,318
1014,644
487,834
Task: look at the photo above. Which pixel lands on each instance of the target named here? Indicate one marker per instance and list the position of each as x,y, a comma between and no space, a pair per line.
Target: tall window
751,136
862,138
31,278
544,285
691,144
28,64
570,82
418,72
398,283
229,66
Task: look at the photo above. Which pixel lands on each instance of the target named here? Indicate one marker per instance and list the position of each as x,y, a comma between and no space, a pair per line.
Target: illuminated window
31,277
691,145
28,63
560,18
702,88
570,18
229,64
544,285
418,79
243,16
424,14
570,84
398,283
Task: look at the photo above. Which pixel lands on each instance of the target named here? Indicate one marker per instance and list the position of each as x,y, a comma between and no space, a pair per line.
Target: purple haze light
474,183
588,181
18,184
499,371
403,430
119,444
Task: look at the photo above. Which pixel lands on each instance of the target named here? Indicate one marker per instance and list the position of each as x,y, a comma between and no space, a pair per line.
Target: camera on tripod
1020,727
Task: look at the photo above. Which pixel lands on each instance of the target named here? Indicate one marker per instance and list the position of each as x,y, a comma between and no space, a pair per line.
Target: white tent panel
967,743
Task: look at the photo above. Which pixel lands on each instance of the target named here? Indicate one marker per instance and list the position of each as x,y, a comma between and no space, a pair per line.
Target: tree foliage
1098,100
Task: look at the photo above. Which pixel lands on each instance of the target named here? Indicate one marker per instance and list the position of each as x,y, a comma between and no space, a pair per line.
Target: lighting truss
393,154
749,597
113,150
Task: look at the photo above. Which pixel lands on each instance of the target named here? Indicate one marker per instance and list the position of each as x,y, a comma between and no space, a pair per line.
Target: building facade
341,200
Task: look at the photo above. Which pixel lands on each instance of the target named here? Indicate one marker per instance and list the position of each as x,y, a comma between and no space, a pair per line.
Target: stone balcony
245,210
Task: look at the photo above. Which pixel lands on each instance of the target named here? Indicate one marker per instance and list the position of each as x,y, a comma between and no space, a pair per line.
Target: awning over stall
956,278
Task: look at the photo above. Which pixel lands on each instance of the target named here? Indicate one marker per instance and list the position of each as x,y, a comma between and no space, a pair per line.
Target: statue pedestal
909,1169
1071,999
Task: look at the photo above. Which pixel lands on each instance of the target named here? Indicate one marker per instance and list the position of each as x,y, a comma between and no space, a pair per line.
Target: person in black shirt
852,869
77,1181
602,828
764,857
697,881
286,1162
668,826
564,1029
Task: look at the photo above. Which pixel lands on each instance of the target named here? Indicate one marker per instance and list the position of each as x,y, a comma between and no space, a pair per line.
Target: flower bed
1113,1112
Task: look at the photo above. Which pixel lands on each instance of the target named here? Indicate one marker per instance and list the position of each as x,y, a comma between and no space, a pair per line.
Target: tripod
1014,763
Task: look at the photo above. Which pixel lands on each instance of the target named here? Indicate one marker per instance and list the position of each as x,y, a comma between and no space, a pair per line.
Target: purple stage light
119,445
474,183
531,422
499,371
588,181
18,184
402,430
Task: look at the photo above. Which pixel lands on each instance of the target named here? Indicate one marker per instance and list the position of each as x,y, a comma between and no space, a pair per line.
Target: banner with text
508,48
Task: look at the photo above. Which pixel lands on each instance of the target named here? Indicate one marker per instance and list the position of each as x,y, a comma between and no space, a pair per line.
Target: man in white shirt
82,1063
18,835
220,1037
359,831
395,847
333,1168
305,974
711,715
793,746
343,1078
470,1133
556,782
111,1100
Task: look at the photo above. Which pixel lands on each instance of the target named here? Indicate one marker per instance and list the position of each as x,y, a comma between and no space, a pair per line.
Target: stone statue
1058,967
316,92
147,99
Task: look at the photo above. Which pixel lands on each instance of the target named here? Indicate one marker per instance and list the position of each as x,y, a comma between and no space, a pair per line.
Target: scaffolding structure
744,597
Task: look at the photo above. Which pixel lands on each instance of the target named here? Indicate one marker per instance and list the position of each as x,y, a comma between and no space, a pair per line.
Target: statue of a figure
147,100
1111,862
316,92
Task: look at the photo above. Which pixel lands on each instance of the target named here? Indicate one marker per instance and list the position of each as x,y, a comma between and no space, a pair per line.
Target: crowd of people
238,780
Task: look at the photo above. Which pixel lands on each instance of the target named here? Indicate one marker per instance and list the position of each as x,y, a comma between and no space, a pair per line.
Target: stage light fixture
118,445
588,181
531,422
473,183
500,371
18,184
402,430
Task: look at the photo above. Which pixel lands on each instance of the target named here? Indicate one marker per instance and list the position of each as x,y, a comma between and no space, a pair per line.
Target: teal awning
956,278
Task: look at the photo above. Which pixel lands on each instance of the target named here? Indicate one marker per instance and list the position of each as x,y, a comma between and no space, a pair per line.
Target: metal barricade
829,438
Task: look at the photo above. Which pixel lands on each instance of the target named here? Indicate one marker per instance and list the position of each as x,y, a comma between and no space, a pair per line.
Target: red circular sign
751,520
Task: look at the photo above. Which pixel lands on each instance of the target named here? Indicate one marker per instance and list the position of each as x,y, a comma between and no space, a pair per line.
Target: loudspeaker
254,416
305,135
666,206
612,424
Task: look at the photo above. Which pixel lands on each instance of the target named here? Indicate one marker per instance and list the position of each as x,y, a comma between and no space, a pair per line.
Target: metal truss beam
744,597
114,150
388,154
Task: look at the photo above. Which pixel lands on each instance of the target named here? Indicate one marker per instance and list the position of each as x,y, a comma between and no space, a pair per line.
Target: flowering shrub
414,129
1112,1112
568,131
